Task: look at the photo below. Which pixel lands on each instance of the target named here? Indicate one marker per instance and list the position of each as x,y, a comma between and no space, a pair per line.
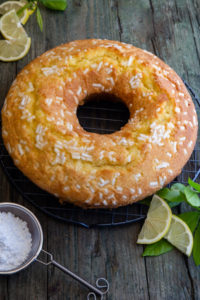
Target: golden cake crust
43,136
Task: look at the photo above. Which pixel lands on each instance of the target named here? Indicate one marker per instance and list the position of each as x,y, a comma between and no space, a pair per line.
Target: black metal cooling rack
98,116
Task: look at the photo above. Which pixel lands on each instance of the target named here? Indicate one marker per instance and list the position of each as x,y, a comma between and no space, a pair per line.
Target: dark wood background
169,29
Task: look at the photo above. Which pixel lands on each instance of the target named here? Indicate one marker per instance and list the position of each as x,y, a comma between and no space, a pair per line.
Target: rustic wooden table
169,29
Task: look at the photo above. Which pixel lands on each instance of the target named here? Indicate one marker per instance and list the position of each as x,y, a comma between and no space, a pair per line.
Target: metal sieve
102,285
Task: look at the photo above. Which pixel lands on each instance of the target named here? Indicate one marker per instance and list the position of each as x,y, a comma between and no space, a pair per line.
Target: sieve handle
101,283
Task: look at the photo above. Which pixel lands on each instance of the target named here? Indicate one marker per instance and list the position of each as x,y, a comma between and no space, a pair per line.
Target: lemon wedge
12,50
10,26
180,235
157,222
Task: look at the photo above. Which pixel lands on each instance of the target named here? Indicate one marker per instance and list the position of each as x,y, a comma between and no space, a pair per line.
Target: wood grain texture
170,29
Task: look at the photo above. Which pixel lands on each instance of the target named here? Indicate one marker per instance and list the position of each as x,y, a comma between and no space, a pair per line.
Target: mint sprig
179,193
51,4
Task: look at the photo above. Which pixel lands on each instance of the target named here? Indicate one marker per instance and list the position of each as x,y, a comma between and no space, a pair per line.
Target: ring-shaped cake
43,136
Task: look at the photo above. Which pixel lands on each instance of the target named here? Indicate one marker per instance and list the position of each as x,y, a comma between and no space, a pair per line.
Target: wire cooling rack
100,116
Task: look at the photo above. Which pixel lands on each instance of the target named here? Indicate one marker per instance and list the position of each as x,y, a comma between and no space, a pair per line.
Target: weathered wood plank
33,280
7,75
174,41
87,252
140,21
92,253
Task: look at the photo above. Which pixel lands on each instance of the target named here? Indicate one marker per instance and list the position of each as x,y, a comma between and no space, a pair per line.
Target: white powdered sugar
15,241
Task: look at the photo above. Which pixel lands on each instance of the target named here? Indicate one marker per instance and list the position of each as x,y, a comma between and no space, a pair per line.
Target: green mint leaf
191,197
178,187
195,185
196,246
191,218
157,248
39,19
171,195
55,4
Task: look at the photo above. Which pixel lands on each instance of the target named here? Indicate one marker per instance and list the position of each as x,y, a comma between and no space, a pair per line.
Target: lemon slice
180,235
10,26
11,50
157,222
16,5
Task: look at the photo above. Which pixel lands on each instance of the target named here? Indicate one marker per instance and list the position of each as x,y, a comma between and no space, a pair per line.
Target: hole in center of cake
103,113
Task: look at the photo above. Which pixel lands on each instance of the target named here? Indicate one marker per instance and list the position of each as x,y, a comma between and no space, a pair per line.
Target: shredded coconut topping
21,151
130,61
103,182
135,81
40,133
153,183
190,144
98,85
111,80
48,101
162,180
51,70
137,176
162,165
